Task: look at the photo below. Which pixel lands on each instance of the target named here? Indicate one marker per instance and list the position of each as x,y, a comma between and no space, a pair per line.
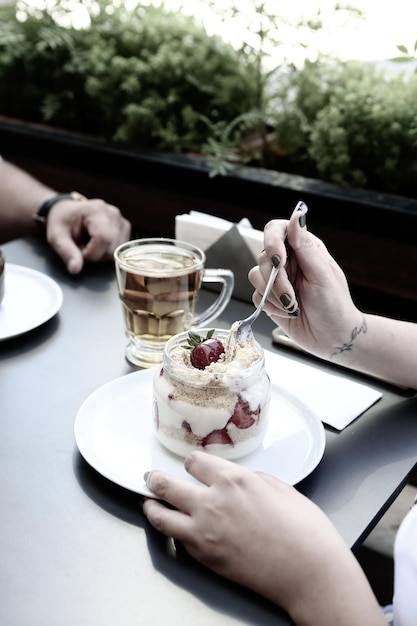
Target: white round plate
30,299
114,433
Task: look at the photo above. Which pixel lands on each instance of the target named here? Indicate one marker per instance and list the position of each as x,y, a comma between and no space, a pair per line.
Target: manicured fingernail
285,300
276,260
295,313
145,477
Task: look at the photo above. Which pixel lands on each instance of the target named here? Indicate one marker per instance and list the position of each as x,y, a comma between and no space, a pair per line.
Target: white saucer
114,433
30,299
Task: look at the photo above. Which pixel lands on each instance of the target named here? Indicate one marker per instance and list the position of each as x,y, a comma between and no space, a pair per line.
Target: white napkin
334,398
204,230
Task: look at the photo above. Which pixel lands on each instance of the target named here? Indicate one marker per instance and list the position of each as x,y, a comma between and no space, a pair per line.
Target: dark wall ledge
371,235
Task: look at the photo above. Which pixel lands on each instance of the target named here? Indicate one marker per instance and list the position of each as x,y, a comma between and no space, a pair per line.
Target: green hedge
350,123
154,79
146,77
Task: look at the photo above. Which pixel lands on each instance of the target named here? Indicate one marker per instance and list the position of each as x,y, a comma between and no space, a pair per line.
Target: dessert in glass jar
206,398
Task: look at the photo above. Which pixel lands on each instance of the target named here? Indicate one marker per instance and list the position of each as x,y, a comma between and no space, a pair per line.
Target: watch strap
42,214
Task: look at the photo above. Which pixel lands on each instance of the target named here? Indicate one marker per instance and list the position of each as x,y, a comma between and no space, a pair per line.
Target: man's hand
85,230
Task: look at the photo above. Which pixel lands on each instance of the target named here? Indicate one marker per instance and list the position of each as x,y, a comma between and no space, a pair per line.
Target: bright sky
387,24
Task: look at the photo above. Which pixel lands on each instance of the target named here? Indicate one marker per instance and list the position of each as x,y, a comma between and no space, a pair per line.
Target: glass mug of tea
159,282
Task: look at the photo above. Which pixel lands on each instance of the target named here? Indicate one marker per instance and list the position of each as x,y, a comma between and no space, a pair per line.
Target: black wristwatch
42,215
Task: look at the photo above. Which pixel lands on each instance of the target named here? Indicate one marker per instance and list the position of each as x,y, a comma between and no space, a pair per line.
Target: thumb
75,262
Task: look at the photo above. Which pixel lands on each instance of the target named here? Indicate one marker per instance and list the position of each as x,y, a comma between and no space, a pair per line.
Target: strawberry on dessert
204,351
208,399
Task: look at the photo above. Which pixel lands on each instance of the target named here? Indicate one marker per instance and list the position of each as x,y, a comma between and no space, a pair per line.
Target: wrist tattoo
347,347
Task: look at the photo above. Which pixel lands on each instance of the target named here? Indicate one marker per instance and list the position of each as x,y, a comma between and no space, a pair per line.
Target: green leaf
403,48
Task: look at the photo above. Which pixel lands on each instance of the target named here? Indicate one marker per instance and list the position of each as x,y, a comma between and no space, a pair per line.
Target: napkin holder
229,250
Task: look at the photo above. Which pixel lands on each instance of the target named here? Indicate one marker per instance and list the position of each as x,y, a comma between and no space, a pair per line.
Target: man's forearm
21,195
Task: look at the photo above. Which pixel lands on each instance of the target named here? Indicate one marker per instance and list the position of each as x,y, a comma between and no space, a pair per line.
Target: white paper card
333,397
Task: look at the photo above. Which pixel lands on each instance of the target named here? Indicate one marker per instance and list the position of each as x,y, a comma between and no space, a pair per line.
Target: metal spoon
242,330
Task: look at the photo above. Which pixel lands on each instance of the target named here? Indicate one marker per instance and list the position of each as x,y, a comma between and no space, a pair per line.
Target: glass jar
222,409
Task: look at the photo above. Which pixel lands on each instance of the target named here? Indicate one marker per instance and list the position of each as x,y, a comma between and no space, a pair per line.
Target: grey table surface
75,547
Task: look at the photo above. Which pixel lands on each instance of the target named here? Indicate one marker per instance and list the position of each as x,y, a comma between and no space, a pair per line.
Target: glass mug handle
216,276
